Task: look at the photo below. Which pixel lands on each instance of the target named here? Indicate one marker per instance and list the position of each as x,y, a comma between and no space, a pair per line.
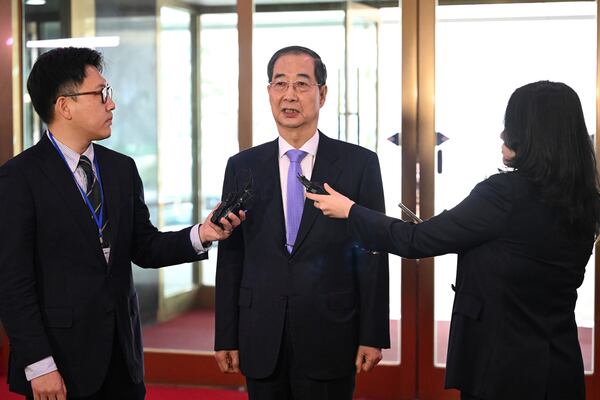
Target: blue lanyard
98,219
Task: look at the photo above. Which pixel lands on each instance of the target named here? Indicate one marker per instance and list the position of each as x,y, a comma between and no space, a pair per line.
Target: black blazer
513,333
335,294
58,296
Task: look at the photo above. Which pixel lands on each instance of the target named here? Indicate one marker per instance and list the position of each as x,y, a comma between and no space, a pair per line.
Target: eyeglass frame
294,85
105,93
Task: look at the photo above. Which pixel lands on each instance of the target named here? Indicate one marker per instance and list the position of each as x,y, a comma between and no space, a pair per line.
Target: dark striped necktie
94,195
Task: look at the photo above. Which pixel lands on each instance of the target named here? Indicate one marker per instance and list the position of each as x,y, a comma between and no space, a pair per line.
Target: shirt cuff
195,239
40,368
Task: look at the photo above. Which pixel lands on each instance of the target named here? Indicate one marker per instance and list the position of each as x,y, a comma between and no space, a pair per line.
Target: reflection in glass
40,23
483,53
389,151
175,136
131,71
219,113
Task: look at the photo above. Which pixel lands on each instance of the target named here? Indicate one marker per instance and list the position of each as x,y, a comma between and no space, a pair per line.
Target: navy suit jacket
334,293
513,333
58,295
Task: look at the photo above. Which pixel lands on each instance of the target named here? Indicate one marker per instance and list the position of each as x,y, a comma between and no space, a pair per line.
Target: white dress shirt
307,164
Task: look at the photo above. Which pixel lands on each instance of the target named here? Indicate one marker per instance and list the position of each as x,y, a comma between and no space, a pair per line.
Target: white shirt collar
71,155
309,147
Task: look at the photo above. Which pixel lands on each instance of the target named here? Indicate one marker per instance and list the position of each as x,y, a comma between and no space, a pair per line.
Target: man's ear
322,95
62,108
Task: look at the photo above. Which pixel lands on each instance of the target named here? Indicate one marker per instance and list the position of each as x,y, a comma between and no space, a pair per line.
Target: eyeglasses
106,93
299,86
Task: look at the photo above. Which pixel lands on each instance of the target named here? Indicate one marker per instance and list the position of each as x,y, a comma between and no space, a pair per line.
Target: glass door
363,55
372,77
175,126
369,114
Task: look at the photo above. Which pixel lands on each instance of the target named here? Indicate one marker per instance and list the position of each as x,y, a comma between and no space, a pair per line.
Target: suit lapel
58,173
325,170
270,190
112,194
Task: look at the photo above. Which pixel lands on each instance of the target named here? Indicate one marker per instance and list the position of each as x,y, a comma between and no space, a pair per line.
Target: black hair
545,127
320,70
58,71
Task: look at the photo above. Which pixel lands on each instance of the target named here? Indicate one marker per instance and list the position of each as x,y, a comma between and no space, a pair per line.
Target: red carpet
157,392
4,393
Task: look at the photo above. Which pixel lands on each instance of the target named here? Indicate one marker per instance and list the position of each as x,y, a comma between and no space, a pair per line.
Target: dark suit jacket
336,294
58,296
513,333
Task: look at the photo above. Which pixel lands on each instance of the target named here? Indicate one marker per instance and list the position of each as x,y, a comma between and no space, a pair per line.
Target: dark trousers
467,396
288,382
118,384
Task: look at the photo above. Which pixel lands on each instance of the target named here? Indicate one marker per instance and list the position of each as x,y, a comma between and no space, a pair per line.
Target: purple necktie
295,197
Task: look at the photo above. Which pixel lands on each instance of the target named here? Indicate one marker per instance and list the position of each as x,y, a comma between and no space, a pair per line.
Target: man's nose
290,92
110,104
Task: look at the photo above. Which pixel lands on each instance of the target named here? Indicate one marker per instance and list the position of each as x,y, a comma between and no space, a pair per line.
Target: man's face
296,110
91,117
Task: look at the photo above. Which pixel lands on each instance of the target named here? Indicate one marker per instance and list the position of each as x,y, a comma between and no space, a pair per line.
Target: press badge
106,251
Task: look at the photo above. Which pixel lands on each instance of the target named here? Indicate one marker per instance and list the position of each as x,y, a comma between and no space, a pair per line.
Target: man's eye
302,85
280,85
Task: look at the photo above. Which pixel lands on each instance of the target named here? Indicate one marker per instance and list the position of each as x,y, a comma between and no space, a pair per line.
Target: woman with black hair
523,240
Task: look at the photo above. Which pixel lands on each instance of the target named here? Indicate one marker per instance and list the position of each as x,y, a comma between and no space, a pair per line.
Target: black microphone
235,201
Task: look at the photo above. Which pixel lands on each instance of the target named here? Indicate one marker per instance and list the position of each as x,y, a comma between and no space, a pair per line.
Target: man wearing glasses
72,219
300,307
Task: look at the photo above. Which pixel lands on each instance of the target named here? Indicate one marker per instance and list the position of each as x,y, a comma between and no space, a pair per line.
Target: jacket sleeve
229,274
481,216
19,303
150,247
372,268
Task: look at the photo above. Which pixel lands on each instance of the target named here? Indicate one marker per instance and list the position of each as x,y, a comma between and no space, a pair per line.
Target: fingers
233,221
235,361
228,361
329,189
368,363
228,224
222,360
312,196
358,363
212,232
49,387
367,358
63,393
